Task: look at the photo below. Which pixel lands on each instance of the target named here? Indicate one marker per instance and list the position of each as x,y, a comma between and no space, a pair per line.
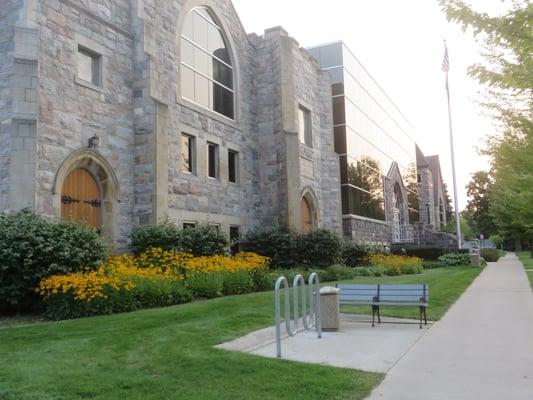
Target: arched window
206,69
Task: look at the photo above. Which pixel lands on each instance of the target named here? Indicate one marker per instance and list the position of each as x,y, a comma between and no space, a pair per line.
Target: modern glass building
371,137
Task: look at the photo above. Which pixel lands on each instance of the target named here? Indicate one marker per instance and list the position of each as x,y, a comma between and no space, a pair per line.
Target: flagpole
456,202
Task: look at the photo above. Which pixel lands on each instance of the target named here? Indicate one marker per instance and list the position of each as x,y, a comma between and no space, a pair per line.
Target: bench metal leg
425,317
373,315
379,315
421,311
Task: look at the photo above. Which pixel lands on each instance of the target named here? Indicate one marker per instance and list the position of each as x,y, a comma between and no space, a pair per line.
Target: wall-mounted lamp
94,142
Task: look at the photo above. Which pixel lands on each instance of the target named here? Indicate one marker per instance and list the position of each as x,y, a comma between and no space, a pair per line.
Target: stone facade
137,114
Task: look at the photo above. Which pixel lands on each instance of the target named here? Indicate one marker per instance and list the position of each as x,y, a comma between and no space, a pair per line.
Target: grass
445,287
168,353
527,261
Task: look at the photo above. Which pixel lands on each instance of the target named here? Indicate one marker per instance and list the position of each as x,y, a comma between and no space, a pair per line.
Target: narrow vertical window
233,165
89,66
234,239
187,153
212,160
304,126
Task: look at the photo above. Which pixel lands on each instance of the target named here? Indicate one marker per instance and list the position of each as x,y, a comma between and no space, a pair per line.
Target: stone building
121,112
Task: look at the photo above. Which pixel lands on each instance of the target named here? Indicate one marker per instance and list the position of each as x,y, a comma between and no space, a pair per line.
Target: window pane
232,166
202,62
214,39
234,239
187,52
188,28
222,74
212,160
187,153
358,202
85,66
200,30
222,101
304,126
201,90
187,83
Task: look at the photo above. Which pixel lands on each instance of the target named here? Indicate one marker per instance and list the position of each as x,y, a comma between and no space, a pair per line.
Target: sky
400,42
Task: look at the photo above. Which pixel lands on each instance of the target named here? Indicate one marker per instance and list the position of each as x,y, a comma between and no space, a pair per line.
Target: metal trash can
329,308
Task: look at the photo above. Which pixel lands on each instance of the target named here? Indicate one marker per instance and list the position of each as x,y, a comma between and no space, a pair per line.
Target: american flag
446,61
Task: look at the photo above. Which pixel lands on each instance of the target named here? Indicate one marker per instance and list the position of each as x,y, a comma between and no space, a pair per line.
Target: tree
508,75
477,209
466,229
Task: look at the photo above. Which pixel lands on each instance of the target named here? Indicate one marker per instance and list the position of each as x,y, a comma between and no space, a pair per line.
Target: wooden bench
386,295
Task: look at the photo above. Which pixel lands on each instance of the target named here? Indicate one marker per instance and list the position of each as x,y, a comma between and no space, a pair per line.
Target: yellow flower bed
121,272
394,262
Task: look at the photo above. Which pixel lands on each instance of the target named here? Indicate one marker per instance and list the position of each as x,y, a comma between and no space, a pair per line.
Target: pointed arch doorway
81,199
86,189
308,214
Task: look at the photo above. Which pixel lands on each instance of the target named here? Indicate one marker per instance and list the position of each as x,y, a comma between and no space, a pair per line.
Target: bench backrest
391,293
357,293
403,293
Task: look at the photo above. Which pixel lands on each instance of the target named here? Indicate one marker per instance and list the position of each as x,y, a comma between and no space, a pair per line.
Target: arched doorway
81,199
309,215
86,189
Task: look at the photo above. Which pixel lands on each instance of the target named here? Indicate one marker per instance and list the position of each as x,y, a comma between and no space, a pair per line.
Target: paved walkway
481,349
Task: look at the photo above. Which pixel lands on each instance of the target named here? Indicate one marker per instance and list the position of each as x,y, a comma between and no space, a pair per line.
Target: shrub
201,240
165,235
33,247
433,264
396,265
278,244
319,248
490,255
237,282
205,284
426,253
455,259
149,293
356,254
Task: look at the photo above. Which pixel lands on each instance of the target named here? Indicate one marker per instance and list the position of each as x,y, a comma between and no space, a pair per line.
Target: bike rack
308,321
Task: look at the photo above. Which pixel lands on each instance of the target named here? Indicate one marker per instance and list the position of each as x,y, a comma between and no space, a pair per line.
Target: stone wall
71,111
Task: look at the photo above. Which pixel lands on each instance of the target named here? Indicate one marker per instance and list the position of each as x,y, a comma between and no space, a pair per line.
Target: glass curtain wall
370,133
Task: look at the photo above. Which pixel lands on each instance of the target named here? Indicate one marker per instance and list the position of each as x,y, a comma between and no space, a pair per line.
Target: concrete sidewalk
481,349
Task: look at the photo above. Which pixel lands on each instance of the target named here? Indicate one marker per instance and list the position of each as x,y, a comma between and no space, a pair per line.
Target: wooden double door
81,199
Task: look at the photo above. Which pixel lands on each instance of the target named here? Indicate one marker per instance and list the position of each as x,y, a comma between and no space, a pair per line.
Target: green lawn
445,287
168,354
525,257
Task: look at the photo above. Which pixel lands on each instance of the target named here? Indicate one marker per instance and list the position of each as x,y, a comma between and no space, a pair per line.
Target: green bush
67,307
490,255
431,264
455,259
165,235
356,254
319,248
426,253
162,293
201,240
145,294
237,282
205,284
262,279
411,269
33,247
279,244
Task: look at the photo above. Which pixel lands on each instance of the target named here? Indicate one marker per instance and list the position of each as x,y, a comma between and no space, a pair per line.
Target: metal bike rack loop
308,320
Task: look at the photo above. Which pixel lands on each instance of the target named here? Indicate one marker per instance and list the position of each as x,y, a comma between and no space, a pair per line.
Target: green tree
466,229
508,74
477,209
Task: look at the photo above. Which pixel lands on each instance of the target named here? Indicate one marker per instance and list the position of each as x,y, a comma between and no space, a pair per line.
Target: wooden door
307,216
80,198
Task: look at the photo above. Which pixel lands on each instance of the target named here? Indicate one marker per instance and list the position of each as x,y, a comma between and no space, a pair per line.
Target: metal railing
308,320
403,234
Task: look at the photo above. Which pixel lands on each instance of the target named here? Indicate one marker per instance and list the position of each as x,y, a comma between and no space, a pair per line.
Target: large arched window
206,69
